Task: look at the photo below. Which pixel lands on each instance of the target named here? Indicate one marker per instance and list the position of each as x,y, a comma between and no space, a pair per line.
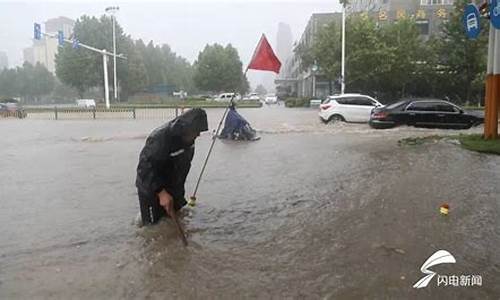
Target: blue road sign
37,31
495,13
471,21
60,38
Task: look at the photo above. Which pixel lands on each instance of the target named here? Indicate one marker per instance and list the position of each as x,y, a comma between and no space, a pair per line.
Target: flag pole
264,59
192,199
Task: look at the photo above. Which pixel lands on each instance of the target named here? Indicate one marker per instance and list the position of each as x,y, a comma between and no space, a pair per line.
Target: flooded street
309,211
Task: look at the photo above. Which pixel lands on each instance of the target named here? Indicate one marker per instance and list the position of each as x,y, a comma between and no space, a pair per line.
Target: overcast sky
187,26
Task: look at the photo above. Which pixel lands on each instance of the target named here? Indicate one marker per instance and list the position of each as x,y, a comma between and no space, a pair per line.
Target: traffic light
37,33
60,38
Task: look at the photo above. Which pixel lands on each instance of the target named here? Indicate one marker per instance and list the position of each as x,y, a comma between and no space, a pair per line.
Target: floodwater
310,211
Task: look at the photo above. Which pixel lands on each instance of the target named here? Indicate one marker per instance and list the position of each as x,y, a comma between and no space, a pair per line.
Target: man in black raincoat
164,163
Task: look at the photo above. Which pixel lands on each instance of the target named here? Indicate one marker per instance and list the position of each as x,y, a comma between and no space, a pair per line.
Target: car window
354,101
346,100
421,106
445,107
341,100
364,101
326,101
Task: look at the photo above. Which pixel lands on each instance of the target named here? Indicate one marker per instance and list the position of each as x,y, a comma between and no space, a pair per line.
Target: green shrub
297,102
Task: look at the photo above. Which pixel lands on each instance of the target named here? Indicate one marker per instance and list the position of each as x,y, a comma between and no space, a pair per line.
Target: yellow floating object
444,209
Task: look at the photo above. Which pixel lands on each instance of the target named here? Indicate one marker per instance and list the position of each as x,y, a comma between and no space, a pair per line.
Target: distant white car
224,97
347,108
86,103
271,99
252,97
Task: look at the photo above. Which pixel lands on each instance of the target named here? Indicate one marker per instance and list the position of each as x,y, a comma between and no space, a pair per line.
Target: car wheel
336,119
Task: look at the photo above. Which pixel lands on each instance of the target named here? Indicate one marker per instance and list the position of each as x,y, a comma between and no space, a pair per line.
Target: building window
424,2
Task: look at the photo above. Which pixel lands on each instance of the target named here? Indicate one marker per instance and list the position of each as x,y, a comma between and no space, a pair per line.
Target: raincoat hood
192,120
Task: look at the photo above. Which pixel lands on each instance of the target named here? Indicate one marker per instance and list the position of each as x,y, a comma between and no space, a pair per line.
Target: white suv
347,108
271,99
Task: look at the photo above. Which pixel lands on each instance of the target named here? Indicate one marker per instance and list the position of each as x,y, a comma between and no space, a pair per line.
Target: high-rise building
4,61
296,82
28,55
44,51
284,42
283,50
62,23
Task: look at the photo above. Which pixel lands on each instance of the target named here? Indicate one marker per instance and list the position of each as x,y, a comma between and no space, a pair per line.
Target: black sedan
430,113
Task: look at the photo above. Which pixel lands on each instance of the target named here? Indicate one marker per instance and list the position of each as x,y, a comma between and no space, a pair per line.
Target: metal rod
211,147
193,197
88,47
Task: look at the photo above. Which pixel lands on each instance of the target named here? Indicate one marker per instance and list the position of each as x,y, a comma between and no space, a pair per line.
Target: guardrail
190,104
69,113
13,114
124,111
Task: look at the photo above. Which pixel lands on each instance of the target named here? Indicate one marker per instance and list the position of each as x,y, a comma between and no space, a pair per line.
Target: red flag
264,57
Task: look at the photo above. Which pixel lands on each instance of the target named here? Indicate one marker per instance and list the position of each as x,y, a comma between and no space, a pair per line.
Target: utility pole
103,52
112,10
106,84
342,73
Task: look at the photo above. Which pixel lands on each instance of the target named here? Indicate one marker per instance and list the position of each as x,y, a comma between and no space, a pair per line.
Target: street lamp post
342,73
106,84
314,69
112,10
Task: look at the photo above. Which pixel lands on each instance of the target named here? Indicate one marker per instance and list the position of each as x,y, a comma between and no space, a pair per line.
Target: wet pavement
310,211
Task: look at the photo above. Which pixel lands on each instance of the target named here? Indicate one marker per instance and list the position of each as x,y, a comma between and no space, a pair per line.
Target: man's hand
167,202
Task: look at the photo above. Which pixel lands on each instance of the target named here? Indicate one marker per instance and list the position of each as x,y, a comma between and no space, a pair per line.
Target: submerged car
429,113
347,108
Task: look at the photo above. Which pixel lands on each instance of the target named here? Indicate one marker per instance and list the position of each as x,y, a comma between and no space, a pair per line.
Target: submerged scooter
237,128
